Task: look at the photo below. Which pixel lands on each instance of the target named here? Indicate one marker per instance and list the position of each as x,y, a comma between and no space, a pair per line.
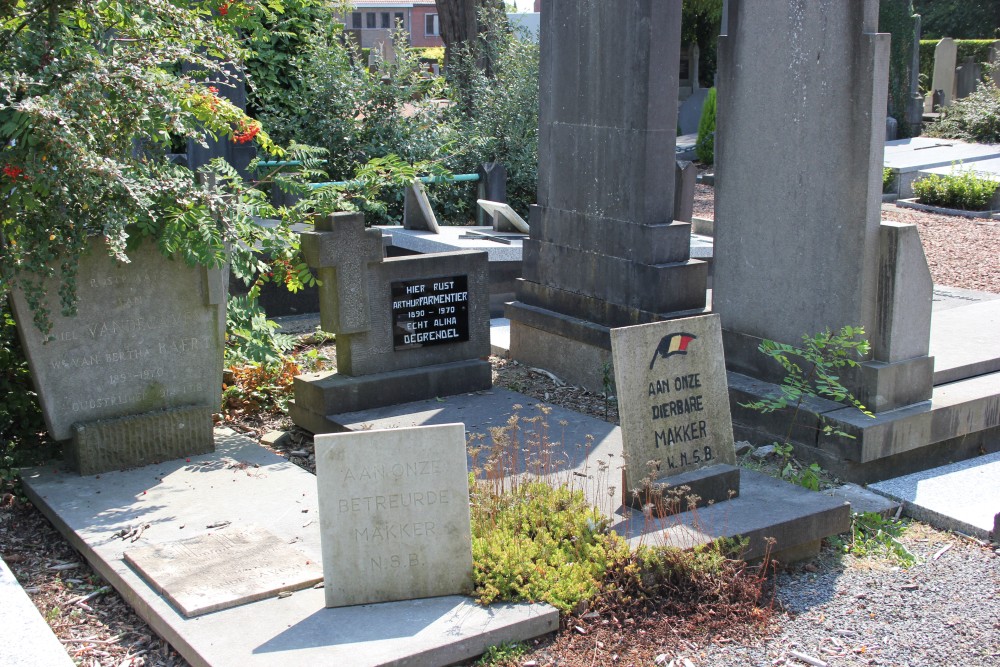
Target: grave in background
848,269
394,514
908,157
407,327
670,380
604,249
135,376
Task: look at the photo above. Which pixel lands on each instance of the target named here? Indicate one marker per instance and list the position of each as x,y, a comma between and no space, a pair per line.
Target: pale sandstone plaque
394,514
672,397
224,569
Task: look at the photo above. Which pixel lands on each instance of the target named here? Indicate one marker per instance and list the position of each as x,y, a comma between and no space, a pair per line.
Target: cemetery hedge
961,191
896,17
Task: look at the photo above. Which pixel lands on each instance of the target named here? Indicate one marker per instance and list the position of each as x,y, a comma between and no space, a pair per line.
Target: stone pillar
604,251
790,264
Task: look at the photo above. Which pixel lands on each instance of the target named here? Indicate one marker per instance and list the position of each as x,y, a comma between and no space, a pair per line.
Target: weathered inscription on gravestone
430,311
394,514
672,397
147,336
219,570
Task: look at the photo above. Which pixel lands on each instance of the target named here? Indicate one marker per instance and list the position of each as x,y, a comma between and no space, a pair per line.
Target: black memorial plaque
430,311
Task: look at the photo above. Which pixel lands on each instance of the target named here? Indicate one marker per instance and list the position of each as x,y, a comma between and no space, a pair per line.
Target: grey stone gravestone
670,379
689,115
943,79
604,250
841,274
394,514
408,328
417,210
223,569
135,376
967,78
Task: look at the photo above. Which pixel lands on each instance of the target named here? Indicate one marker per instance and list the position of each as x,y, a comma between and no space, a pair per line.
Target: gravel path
848,612
960,252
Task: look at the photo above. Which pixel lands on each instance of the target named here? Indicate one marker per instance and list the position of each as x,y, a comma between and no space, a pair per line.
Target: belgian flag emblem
671,344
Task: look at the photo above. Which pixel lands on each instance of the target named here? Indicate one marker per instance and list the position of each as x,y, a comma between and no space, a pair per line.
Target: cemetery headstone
841,273
492,186
417,210
670,379
604,250
135,376
943,79
394,514
408,328
967,78
223,569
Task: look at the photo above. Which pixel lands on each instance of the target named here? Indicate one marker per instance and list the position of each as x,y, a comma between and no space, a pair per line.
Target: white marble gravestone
394,514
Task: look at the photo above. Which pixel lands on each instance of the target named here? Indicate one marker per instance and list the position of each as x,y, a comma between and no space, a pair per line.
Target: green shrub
887,179
705,146
963,190
21,424
974,118
536,542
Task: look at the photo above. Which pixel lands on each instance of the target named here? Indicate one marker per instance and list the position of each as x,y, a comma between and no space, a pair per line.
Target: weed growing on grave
536,537
258,388
875,536
807,477
812,370
503,655
964,191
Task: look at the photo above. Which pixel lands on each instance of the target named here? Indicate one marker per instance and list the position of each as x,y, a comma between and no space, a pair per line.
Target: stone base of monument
679,493
961,420
588,453
138,440
198,529
320,394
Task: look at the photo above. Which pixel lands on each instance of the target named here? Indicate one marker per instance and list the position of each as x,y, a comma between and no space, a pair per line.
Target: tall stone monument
604,250
799,245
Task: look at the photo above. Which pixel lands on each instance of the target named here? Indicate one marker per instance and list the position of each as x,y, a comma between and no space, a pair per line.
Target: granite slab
963,496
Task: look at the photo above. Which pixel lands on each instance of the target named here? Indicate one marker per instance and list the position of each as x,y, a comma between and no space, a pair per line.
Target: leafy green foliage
976,49
959,19
495,114
21,424
974,118
503,655
810,370
91,102
807,477
704,147
897,18
887,179
536,542
964,190
875,536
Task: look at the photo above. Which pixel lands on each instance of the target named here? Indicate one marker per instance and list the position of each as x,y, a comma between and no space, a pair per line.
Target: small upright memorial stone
674,407
394,514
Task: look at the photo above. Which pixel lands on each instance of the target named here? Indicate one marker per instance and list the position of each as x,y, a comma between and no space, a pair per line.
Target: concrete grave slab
862,500
26,638
962,496
450,238
242,483
223,569
670,379
394,514
587,452
946,297
965,341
